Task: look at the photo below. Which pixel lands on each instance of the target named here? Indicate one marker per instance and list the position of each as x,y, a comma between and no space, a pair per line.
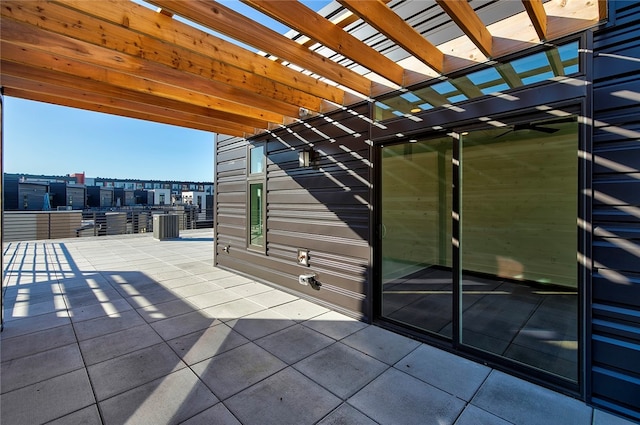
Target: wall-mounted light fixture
307,157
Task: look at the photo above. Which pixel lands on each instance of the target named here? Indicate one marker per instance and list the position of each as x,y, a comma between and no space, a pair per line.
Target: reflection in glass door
519,243
514,263
416,234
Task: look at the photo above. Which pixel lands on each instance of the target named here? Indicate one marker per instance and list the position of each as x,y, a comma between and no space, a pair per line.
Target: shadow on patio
131,330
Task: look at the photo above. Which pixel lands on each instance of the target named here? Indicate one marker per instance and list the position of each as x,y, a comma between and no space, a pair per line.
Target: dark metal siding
615,312
10,192
31,196
324,209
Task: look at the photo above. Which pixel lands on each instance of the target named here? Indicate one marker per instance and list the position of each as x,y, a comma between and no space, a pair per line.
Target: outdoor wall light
306,157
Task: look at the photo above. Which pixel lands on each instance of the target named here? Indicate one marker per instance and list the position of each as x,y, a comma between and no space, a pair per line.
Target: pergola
166,65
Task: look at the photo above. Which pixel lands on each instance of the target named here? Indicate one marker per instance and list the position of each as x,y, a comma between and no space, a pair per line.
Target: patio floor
127,329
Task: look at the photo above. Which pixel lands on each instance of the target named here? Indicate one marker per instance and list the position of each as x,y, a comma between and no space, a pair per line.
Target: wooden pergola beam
470,23
23,93
538,16
22,44
77,93
219,18
140,19
297,16
147,48
603,10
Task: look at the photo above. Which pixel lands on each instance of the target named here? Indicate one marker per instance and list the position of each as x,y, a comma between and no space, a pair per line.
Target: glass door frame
583,250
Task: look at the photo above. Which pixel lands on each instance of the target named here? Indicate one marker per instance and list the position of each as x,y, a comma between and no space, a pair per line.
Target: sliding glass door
416,234
518,246
515,268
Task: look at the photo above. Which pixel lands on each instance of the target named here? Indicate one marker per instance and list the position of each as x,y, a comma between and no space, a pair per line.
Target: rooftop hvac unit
166,226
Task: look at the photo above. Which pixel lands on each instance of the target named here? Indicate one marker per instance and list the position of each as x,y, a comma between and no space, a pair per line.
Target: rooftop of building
129,329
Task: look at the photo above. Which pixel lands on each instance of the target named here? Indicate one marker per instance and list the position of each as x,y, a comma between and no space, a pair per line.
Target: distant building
160,196
68,195
194,198
76,191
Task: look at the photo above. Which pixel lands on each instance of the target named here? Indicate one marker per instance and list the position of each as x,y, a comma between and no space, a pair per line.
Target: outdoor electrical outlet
303,257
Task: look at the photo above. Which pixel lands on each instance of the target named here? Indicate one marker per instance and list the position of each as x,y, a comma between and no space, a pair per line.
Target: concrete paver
160,336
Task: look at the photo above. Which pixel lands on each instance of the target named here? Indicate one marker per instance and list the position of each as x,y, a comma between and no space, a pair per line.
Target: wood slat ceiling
122,58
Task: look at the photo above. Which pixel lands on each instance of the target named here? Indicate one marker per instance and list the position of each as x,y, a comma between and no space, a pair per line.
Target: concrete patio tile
347,415
262,323
230,280
335,325
171,273
210,299
38,367
87,416
116,344
79,297
195,266
21,309
216,415
155,312
206,343
473,415
450,373
341,369
300,310
381,344
107,324
286,398
182,325
252,288
161,295
215,274
272,298
167,400
130,283
232,310
27,325
85,280
98,310
179,282
31,293
195,289
47,400
397,398
600,417
123,373
237,369
36,342
294,343
524,403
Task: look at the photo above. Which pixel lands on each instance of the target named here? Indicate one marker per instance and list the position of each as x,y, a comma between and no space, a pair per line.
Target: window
256,221
256,196
256,159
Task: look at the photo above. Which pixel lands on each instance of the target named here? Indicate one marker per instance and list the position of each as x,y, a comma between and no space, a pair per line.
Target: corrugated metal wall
325,209
616,212
34,225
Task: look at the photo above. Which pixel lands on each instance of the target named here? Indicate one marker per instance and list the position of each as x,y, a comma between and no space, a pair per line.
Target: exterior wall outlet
303,257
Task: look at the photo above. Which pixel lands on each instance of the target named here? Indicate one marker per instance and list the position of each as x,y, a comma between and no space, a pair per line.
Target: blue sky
47,139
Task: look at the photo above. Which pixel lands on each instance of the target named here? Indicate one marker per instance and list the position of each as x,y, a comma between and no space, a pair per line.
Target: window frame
254,179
